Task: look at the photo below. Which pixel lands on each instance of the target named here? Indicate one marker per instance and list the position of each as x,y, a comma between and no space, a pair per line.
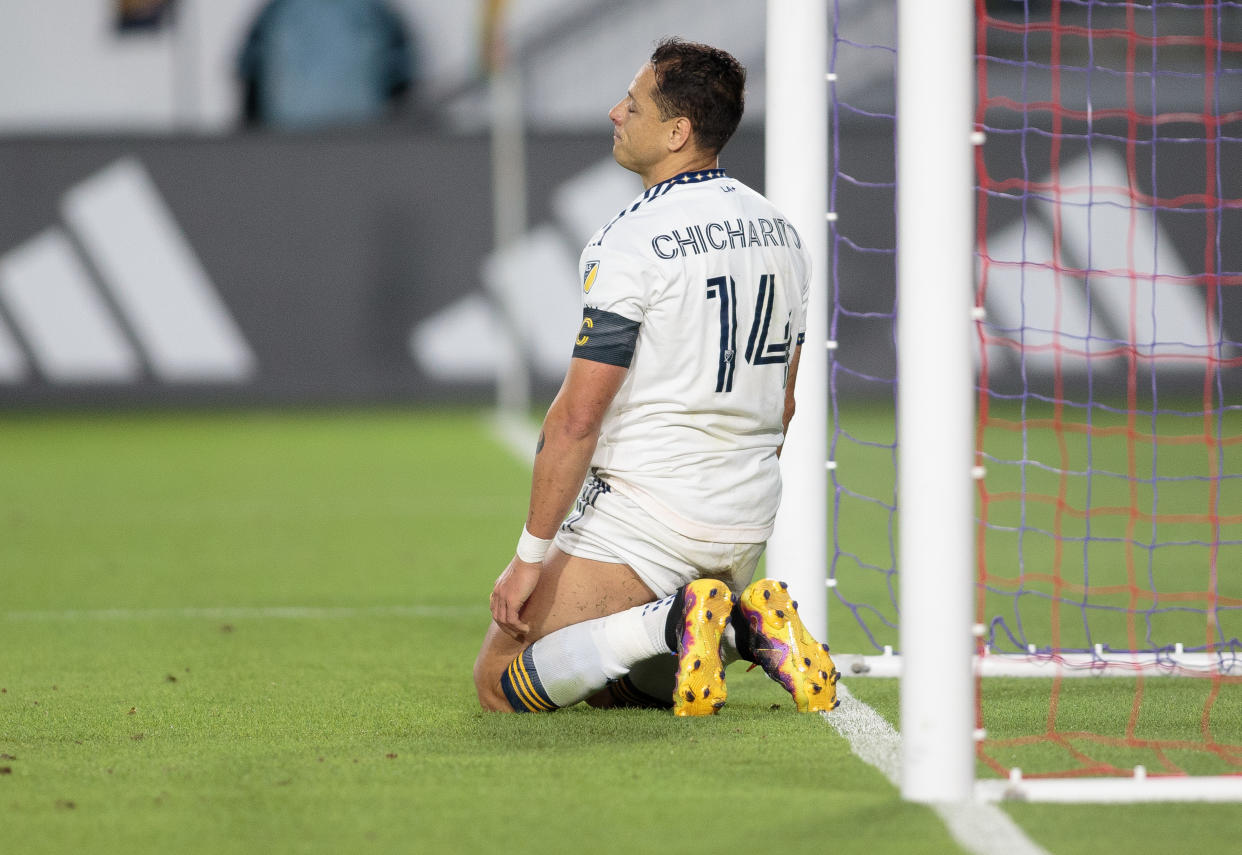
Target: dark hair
702,83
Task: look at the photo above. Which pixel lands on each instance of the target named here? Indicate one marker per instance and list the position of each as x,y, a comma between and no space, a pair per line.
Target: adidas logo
116,295
1138,292
510,322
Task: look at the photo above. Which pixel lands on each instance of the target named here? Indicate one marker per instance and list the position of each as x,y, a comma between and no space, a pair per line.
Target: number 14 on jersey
759,351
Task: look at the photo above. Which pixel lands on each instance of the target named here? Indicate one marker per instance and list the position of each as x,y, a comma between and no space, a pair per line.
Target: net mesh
1109,432
862,324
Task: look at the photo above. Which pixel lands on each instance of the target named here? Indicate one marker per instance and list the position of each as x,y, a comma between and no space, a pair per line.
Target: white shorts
608,526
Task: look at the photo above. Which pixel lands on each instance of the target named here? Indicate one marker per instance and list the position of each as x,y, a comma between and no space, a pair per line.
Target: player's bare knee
493,700
487,687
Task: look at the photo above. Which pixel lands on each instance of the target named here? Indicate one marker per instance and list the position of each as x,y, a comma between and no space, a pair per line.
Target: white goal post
935,396
796,181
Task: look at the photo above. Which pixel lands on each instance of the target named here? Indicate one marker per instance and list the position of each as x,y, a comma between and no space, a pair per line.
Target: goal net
1108,433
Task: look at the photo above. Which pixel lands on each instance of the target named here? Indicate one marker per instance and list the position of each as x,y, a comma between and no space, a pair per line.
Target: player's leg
651,684
567,665
648,685
582,633
764,629
570,664
571,590
588,574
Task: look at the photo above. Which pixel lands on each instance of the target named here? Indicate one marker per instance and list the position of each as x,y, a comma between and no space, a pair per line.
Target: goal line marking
978,827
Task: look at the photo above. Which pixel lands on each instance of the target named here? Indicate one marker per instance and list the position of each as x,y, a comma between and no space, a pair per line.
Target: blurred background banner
166,238
360,266
295,201
286,268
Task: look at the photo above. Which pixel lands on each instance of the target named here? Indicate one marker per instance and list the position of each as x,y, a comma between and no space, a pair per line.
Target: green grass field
253,632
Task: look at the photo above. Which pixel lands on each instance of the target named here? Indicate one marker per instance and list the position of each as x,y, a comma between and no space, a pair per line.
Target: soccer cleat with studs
784,648
700,685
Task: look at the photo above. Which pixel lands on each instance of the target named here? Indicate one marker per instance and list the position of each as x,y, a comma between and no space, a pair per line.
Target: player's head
680,110
702,83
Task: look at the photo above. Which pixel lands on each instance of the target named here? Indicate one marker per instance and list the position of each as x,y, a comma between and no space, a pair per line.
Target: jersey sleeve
615,288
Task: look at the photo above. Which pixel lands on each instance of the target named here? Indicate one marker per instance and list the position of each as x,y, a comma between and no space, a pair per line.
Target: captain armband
606,337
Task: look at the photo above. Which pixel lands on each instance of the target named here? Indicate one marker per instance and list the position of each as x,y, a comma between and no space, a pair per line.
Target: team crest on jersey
588,276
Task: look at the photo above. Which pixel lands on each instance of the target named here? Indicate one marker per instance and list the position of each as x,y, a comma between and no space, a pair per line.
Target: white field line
245,613
978,827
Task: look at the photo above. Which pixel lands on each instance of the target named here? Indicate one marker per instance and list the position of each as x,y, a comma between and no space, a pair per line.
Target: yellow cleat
785,650
700,687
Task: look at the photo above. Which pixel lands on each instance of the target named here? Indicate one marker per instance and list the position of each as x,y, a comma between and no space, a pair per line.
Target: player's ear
680,134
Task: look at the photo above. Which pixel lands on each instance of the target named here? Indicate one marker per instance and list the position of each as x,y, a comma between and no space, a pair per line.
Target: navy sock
625,694
673,627
742,633
522,686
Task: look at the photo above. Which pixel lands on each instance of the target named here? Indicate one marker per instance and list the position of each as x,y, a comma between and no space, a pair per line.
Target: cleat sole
786,650
700,686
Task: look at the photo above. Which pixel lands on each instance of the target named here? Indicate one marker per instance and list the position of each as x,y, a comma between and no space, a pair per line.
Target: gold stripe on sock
524,688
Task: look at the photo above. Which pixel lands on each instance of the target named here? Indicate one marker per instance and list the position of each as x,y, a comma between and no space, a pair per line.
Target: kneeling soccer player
667,429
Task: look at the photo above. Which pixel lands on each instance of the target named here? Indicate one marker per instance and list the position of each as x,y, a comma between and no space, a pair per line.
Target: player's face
639,136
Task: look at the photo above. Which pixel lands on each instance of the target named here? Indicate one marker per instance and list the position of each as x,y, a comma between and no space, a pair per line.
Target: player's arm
566,445
789,393
567,441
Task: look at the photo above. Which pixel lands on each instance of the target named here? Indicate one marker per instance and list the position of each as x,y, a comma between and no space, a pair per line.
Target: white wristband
531,549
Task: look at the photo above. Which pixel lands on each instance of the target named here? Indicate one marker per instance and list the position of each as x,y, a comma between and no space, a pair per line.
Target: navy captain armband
606,337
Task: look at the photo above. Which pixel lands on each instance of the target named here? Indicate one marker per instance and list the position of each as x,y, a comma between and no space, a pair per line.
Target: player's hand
512,589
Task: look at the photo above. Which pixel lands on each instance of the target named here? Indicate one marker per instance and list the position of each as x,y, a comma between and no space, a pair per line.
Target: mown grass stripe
246,612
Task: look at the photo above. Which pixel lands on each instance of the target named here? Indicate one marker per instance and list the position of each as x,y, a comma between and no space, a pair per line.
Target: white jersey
707,283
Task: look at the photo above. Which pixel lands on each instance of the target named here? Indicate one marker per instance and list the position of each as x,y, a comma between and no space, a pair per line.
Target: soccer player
666,430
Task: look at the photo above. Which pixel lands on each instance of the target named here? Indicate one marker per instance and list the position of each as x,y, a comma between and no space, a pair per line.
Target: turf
1022,705
159,695
245,632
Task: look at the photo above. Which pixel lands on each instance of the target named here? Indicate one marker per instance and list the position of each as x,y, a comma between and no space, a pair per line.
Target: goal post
935,390
796,181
